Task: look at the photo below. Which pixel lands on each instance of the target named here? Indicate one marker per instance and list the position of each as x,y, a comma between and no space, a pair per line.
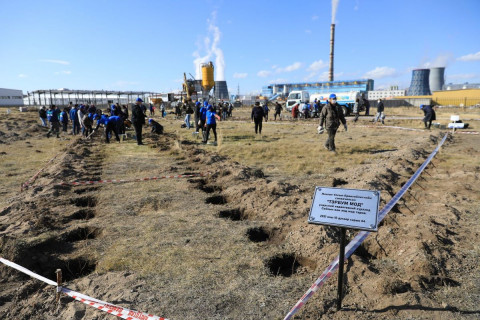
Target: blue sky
147,45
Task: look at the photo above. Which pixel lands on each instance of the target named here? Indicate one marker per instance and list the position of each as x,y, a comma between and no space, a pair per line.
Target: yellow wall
464,97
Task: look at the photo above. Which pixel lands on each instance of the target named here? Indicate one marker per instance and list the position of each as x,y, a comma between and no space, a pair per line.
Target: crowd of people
86,119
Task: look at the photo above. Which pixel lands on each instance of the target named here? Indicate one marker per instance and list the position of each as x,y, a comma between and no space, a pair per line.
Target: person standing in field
356,110
211,123
331,116
53,115
64,119
43,116
278,111
257,117
380,112
265,110
138,119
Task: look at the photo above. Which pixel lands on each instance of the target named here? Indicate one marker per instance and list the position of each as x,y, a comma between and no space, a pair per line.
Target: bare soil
235,243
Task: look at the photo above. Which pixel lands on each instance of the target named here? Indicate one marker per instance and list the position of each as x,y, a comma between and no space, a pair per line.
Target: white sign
347,208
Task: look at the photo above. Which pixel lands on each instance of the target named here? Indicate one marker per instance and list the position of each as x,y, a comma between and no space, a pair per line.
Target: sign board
347,208
454,125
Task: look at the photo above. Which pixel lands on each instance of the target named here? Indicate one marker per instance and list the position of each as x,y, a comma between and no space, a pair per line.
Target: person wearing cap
211,123
257,116
53,115
380,112
156,127
429,115
138,119
331,116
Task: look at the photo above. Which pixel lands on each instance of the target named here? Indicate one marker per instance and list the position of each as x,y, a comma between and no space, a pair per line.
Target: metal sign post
341,262
345,208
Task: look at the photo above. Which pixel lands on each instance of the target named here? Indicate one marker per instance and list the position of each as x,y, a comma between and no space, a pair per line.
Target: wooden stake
59,283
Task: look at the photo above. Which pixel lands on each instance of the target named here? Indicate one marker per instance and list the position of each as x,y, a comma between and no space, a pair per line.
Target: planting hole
232,214
81,234
216,200
257,234
83,214
283,265
84,202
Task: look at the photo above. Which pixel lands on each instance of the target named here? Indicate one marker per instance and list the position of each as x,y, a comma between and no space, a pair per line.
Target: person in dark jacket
53,115
196,115
138,119
380,112
156,127
278,111
331,116
43,116
430,115
257,117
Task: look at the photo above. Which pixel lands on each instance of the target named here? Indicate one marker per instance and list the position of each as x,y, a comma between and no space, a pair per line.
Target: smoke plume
211,46
334,9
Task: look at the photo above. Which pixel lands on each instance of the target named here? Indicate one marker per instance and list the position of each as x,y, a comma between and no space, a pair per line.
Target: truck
345,99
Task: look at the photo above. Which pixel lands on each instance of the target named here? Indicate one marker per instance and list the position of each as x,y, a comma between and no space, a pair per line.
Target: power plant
420,83
436,79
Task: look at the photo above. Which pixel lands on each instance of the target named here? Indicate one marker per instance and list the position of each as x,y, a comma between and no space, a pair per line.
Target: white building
383,94
11,97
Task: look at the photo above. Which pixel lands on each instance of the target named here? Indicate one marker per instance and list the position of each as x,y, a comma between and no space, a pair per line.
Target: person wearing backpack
52,116
64,119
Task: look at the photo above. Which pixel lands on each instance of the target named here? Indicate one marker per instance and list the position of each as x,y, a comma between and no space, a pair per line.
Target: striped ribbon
360,237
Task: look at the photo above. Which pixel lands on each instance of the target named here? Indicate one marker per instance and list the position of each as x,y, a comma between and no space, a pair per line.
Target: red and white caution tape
99,304
360,237
467,132
110,308
82,183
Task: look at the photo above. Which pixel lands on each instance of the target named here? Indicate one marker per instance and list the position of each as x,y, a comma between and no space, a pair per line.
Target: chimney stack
332,41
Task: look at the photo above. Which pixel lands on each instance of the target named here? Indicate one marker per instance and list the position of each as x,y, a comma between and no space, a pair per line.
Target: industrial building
11,97
385,94
63,97
318,87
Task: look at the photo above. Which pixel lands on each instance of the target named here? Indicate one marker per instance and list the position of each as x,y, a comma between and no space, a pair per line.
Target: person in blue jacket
53,115
64,119
202,118
211,123
74,119
111,123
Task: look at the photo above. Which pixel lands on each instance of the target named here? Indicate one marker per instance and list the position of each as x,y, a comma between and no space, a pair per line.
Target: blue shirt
211,117
203,113
73,114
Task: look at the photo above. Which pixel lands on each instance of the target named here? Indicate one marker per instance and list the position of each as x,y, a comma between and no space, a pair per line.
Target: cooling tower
221,90
419,85
436,79
332,42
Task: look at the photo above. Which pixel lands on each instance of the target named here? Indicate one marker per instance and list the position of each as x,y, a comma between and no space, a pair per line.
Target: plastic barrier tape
99,304
110,308
26,271
361,236
81,183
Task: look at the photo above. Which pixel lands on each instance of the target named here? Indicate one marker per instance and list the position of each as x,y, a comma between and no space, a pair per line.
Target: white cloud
56,61
63,72
380,72
314,17
237,75
263,73
470,57
21,75
317,65
290,68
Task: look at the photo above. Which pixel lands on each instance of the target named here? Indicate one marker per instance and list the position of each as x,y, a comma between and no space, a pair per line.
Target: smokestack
332,41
